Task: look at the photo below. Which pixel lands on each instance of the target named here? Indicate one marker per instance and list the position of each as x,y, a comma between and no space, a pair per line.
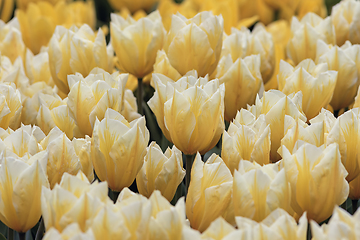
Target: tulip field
177,120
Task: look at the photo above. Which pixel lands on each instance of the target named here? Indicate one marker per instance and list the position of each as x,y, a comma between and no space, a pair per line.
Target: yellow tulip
285,8
137,42
305,34
133,5
190,112
90,97
37,68
246,140
200,38
345,17
343,61
10,106
82,12
249,8
316,6
341,226
23,4
257,191
162,66
74,200
314,172
242,43
14,73
354,185
118,149
217,230
316,83
242,80
77,50
20,192
161,171
209,193
278,225
71,232
6,9
327,118
11,43
346,133
278,110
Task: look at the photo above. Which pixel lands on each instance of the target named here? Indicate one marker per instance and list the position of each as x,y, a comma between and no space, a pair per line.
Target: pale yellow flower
6,9
354,185
217,230
10,106
71,232
133,5
11,43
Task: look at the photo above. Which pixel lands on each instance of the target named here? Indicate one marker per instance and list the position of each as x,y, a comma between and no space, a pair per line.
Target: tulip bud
137,42
242,80
316,83
163,172
20,191
118,149
6,10
14,73
77,50
278,110
248,140
133,5
71,232
37,68
162,65
217,230
341,60
11,43
258,191
305,34
209,193
10,106
200,37
345,17
311,171
327,118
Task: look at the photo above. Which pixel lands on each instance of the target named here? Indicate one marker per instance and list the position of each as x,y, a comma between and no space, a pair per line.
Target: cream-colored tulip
217,230
200,38
257,191
162,65
71,232
161,171
118,149
278,110
246,140
75,200
341,226
137,42
209,193
314,172
20,191
133,6
305,34
23,4
346,133
37,68
90,97
342,61
346,20
242,80
316,83
77,50
327,118
242,43
10,106
11,43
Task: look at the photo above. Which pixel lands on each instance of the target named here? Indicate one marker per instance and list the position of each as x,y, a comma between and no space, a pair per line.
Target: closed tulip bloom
305,34
20,192
242,43
311,171
315,6
74,200
248,140
194,116
14,73
23,4
327,118
217,230
340,226
90,97
242,80
118,149
71,232
278,110
316,83
161,171
77,50
37,68
11,43
6,9
162,65
200,37
257,191
10,106
209,194
346,133
137,42
133,6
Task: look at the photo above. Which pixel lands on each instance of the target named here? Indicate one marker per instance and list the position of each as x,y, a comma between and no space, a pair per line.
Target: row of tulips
71,126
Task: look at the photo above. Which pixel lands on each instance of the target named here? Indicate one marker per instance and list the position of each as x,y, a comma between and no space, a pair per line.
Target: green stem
140,96
343,206
114,195
11,234
41,230
189,163
354,205
22,236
